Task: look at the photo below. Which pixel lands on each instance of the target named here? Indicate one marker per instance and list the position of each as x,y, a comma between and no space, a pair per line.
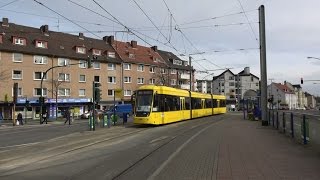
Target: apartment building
26,53
236,87
178,74
282,95
205,86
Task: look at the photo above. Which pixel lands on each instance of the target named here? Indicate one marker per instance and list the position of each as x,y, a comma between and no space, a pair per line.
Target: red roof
142,54
284,88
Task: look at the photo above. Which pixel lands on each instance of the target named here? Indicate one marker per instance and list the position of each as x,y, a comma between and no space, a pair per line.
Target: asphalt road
132,152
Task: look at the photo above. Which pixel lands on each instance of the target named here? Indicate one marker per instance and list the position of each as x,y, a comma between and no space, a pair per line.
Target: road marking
166,162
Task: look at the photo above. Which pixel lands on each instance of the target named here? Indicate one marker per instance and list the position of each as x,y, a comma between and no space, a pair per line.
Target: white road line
166,162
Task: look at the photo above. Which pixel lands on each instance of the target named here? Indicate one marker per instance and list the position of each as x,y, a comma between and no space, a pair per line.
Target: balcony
185,86
184,76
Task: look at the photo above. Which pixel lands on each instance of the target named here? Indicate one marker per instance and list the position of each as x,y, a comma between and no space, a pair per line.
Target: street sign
118,93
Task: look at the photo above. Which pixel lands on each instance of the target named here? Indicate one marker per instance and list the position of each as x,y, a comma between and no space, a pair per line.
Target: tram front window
143,102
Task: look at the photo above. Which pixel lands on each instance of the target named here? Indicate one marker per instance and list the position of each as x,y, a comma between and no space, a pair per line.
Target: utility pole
190,73
263,65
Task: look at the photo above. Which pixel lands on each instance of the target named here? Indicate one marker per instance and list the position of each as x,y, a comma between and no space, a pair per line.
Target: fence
302,127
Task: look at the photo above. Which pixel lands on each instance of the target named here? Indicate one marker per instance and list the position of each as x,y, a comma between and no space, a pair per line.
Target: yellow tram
162,105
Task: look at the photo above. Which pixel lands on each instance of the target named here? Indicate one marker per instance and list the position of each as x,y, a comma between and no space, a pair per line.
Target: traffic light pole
93,119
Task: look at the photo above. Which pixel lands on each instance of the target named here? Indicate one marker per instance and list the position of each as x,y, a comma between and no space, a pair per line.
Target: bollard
304,130
272,118
105,120
284,122
292,126
277,120
90,123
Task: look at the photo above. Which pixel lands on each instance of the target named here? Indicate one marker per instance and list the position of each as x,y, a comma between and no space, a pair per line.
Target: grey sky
292,30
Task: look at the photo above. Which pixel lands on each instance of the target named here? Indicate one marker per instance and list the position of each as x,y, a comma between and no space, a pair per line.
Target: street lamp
191,66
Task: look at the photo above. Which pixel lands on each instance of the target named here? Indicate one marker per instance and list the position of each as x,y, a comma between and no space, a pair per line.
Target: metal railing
301,126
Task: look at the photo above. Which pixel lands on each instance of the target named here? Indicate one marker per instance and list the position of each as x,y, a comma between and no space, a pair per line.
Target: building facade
27,53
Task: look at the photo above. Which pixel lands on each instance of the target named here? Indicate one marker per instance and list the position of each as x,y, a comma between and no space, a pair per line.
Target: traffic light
301,80
41,100
97,92
15,92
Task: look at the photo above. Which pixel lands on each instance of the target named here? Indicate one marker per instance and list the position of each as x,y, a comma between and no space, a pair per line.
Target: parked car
120,109
300,108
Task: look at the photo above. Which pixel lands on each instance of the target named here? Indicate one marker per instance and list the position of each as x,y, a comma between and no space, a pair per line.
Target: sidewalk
248,150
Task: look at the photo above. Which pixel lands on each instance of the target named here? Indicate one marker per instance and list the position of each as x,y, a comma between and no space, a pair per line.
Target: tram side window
196,103
215,103
208,103
167,103
187,103
156,103
222,103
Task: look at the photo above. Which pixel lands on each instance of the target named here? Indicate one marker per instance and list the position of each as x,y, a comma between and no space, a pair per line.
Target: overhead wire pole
263,66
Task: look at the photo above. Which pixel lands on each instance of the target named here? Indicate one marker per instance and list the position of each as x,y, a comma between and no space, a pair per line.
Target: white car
300,108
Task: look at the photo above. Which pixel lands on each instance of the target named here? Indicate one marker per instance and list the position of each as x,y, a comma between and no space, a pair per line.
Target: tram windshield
143,101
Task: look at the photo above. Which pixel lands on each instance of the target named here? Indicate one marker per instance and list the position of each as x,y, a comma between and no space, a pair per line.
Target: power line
65,18
9,3
217,17
255,36
153,24
229,50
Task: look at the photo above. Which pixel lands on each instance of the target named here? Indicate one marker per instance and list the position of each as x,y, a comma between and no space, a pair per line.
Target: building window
82,78
19,41
97,79
177,62
127,79
96,52
126,66
152,68
38,76
140,80
16,74
17,57
131,55
82,64
96,65
64,92
231,78
127,92
19,92
173,82
1,36
257,84
110,92
252,78
222,84
63,62
64,77
81,50
163,71
173,71
231,83
140,68
111,66
37,92
82,92
111,54
40,60
41,44
111,79
152,81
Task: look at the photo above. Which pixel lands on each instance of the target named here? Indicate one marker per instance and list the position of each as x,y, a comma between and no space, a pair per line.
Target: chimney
44,29
134,44
155,48
5,22
81,36
247,70
285,83
111,40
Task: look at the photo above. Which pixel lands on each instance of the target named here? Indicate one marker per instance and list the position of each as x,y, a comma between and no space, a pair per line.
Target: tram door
182,108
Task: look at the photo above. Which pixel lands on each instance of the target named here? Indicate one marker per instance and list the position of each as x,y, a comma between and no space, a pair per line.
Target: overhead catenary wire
9,3
154,24
217,17
66,18
254,34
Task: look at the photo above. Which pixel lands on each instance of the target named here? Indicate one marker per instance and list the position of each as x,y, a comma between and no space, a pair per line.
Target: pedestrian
20,119
68,118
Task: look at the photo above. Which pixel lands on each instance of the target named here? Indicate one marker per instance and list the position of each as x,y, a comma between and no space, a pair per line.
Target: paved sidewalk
248,150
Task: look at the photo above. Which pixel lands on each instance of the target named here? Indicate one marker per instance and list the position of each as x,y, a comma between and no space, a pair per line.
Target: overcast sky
218,28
